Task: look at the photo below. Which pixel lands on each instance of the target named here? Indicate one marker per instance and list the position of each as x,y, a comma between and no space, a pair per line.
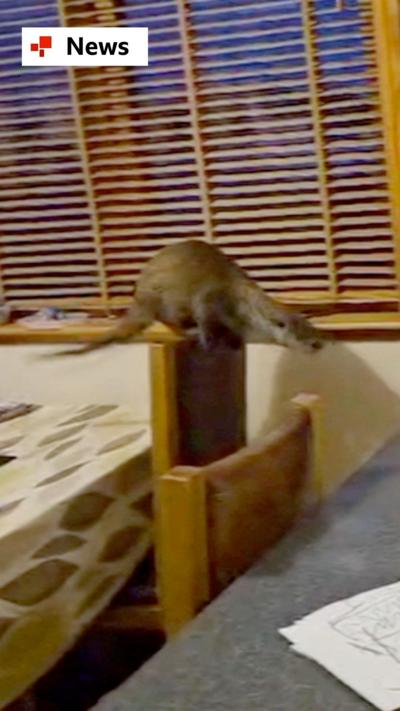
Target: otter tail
130,325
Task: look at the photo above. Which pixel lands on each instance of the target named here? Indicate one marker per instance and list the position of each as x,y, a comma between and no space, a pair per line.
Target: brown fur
192,285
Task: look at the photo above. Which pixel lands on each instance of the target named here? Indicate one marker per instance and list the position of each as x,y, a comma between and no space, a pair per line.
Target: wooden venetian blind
47,226
290,128
257,126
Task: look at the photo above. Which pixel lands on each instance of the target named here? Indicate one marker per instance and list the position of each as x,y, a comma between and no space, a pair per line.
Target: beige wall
359,384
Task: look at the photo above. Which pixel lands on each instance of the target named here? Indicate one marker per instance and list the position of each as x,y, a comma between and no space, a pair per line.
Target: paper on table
357,640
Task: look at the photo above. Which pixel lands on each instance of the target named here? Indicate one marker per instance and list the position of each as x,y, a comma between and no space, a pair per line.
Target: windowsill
359,322
16,333
345,326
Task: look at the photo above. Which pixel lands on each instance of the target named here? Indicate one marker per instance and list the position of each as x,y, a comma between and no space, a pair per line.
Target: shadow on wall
361,412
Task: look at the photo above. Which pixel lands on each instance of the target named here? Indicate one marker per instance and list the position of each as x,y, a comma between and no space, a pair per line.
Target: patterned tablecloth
74,523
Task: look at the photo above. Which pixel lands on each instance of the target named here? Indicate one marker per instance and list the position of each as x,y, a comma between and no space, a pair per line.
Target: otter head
293,330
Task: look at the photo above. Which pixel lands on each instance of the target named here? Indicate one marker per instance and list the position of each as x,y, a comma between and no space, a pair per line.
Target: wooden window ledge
16,333
345,325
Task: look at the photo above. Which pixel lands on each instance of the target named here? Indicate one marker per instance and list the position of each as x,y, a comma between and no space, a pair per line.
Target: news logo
44,43
84,46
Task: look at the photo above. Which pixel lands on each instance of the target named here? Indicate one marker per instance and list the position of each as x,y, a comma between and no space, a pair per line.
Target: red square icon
45,42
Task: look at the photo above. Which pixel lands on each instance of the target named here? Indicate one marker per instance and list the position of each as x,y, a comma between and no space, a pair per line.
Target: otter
193,286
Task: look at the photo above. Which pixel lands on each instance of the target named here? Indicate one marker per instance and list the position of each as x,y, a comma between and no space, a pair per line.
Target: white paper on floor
357,640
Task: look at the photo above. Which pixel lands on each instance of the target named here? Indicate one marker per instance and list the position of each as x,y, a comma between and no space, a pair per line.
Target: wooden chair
218,503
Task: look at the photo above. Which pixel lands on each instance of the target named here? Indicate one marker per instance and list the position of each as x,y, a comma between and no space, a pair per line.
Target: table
73,526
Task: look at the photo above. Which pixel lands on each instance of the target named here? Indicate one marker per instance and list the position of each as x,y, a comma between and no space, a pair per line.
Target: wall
359,384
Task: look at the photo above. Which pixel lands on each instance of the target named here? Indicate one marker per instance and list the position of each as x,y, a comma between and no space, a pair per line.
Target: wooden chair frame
186,496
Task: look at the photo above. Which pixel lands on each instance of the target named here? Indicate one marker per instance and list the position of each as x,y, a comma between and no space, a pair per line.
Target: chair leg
182,546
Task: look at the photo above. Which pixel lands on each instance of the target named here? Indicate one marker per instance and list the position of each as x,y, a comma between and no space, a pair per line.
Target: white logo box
84,46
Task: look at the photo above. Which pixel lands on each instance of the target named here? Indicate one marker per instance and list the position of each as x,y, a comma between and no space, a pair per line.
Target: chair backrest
198,403
214,521
254,495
